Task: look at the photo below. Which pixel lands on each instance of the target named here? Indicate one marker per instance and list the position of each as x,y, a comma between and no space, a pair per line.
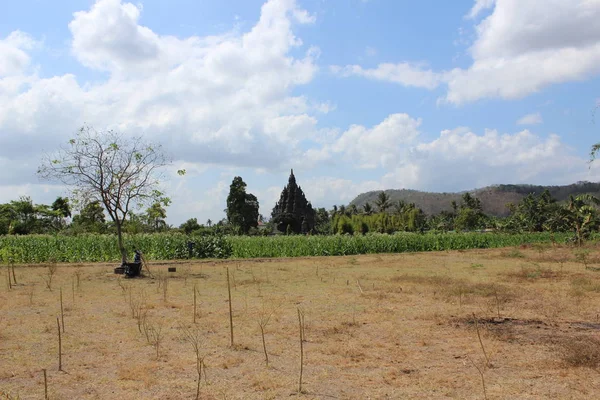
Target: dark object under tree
131,269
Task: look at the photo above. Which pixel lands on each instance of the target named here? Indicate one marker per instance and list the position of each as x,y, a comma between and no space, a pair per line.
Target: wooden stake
230,308
487,359
301,325
262,332
194,302
45,385
59,346
62,311
361,290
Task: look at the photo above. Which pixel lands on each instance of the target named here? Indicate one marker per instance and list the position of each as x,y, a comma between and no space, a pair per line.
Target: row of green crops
339,245
171,246
94,248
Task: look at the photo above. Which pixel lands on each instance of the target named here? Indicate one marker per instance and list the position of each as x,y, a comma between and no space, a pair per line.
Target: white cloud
522,47
526,45
379,146
109,37
230,101
479,7
14,58
326,191
405,74
460,159
223,100
530,119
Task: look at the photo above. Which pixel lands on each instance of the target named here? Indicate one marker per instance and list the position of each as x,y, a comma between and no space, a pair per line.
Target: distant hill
493,198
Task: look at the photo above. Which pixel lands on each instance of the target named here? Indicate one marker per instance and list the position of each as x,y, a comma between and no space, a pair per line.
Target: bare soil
376,327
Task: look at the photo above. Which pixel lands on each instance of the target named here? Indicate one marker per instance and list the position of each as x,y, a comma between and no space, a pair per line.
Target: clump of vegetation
582,256
585,284
534,272
581,352
513,253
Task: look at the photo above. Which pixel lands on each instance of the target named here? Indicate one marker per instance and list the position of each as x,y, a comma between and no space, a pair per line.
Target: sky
354,95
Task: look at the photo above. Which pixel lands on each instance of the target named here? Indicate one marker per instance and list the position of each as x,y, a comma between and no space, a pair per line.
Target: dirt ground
517,323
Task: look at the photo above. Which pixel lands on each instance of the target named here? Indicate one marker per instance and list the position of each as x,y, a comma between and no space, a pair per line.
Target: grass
374,326
584,352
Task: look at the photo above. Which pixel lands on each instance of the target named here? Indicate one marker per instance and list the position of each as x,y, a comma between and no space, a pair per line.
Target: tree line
114,174
534,213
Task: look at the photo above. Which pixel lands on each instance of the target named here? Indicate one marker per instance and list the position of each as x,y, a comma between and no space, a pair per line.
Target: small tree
242,207
90,219
582,215
118,171
190,226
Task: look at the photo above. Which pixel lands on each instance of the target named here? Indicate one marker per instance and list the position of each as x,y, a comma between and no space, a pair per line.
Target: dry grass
376,326
582,352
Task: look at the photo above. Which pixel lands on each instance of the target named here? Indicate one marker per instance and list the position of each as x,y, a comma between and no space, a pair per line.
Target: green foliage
410,220
190,226
156,215
322,222
383,201
469,215
90,220
22,217
103,248
172,246
302,246
534,213
242,207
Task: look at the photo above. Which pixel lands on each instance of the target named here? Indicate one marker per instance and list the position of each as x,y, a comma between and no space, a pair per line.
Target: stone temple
293,213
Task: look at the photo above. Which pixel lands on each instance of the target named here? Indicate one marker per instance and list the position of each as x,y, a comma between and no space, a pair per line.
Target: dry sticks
230,308
301,326
62,311
59,346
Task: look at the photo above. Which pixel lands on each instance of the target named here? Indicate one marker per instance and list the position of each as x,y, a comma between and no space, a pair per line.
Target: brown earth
376,327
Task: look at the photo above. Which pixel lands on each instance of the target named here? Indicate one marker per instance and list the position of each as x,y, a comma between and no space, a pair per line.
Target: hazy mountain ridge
493,198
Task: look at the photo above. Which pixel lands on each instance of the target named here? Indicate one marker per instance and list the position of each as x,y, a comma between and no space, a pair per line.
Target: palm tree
383,201
334,211
342,210
454,206
399,206
368,209
353,209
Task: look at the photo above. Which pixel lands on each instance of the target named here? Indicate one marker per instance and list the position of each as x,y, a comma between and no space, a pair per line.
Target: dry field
524,322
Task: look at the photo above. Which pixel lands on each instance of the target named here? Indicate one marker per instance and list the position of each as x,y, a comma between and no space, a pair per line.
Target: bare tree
121,172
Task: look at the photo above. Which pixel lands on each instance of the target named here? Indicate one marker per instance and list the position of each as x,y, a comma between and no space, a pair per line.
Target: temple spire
293,213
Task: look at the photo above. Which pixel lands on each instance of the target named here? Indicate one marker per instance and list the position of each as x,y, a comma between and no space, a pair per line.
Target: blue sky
355,95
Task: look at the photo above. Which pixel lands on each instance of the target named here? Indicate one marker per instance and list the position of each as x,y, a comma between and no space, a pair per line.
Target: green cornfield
33,249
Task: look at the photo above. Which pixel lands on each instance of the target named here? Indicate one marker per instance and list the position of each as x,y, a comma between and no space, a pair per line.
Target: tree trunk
120,239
